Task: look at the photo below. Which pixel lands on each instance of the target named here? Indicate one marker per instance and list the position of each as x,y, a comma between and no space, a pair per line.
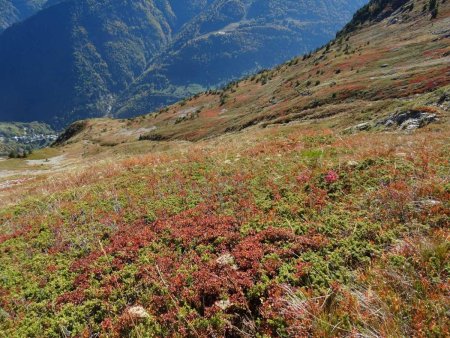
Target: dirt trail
54,161
15,178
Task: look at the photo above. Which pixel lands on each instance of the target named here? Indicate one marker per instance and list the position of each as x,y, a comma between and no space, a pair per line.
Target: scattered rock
138,312
444,101
227,259
410,125
223,304
362,126
305,93
426,204
352,163
393,21
409,120
359,127
389,123
273,101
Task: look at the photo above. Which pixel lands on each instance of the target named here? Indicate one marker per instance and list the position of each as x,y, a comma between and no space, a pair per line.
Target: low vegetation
212,241
311,200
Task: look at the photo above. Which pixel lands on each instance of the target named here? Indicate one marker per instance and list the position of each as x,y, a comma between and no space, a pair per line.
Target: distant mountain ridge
12,11
81,58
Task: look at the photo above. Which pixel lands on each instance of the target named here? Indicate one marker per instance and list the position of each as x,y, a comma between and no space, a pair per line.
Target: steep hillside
396,65
67,61
230,39
81,59
311,200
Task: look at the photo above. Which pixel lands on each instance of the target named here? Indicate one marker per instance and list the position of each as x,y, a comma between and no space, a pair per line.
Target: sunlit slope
397,64
286,210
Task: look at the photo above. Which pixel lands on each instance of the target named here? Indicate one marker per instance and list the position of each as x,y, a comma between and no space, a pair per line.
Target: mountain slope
278,221
230,39
375,70
66,62
78,59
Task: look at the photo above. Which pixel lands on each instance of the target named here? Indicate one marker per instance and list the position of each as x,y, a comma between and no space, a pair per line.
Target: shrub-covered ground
289,231
285,231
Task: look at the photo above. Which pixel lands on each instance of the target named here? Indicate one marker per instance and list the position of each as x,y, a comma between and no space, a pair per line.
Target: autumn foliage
302,234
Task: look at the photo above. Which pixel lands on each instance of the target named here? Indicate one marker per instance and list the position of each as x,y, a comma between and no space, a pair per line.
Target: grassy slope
289,230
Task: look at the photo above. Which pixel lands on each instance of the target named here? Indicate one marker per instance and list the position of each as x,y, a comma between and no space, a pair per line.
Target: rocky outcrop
409,120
